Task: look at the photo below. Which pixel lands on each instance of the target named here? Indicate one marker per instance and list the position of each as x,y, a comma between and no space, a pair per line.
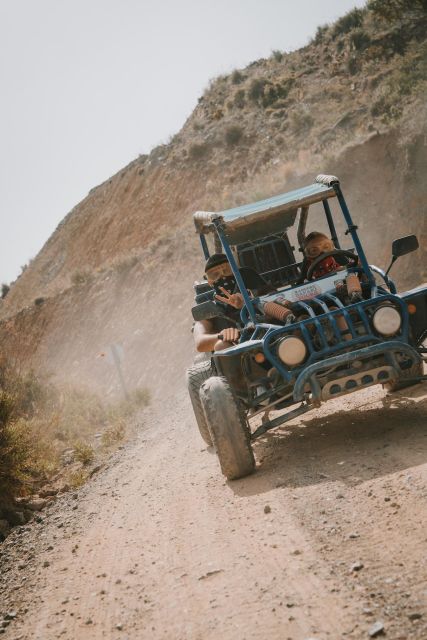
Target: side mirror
207,310
401,247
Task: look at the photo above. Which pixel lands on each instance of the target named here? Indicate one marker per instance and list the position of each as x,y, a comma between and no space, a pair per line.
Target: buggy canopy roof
265,217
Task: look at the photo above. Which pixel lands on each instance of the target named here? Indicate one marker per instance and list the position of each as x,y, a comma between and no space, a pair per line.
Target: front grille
321,331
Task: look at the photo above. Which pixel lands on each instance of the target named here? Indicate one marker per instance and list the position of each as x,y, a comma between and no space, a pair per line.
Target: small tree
4,290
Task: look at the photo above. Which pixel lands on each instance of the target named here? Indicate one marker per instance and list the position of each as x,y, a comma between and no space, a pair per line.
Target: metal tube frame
233,264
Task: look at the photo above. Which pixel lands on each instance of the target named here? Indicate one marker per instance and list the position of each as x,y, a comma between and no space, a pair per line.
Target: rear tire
228,427
415,371
196,376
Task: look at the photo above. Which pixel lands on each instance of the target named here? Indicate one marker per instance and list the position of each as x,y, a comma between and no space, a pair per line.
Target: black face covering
227,282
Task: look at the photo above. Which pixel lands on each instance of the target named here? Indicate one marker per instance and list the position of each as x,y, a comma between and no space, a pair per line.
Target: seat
272,257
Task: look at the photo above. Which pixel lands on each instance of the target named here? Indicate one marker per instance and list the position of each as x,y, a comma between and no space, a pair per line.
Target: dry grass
39,422
84,452
114,434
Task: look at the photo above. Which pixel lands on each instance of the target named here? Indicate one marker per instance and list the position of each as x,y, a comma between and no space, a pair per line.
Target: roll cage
251,227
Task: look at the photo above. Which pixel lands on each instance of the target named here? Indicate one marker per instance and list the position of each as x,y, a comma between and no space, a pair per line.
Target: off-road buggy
348,330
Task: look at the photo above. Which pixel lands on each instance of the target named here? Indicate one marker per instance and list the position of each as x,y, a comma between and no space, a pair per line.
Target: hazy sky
88,85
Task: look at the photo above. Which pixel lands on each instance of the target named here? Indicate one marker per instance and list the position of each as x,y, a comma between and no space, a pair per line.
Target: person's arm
205,340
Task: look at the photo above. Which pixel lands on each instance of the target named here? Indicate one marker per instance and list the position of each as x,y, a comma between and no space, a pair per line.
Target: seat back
272,257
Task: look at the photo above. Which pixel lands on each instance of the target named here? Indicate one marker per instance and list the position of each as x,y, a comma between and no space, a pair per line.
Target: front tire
228,427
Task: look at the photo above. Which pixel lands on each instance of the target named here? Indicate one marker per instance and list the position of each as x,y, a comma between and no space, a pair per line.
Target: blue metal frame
387,349
352,230
331,224
272,332
235,269
204,245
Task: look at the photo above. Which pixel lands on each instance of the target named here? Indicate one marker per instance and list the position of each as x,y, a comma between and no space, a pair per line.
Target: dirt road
327,539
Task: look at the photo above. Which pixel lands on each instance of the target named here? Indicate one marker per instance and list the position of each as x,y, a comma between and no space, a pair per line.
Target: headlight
387,320
292,351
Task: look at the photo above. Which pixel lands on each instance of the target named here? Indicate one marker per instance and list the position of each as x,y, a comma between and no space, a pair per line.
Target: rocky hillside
119,268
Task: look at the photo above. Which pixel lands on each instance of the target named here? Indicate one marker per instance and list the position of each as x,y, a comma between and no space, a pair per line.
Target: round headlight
292,351
387,320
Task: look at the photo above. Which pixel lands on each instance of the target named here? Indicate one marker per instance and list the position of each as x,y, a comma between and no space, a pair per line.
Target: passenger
220,333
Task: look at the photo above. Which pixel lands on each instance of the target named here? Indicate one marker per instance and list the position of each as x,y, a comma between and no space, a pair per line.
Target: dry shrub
198,150
347,22
77,478
136,399
124,265
84,452
408,79
233,134
237,77
81,277
115,433
301,120
392,10
320,35
39,422
239,99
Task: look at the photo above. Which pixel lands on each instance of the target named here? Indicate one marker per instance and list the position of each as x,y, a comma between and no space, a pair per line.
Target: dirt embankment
325,541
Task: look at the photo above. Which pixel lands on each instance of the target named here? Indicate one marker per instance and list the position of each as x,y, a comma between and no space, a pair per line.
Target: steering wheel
328,254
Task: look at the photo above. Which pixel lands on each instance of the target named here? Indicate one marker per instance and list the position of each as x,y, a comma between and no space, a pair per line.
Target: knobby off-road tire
196,376
228,427
415,371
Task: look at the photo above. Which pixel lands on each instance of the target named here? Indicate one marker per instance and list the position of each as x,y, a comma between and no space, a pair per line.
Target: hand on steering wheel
336,252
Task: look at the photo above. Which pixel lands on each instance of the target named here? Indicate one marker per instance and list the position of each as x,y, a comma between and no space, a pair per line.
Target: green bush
360,39
320,35
237,77
198,150
233,134
4,290
353,65
239,98
349,21
277,55
256,89
267,93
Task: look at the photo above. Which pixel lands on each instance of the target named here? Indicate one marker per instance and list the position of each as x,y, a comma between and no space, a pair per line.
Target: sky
88,85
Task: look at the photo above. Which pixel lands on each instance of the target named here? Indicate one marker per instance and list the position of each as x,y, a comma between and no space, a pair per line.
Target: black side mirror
401,247
207,310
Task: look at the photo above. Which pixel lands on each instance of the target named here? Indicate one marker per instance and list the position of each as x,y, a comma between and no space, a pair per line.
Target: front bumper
353,378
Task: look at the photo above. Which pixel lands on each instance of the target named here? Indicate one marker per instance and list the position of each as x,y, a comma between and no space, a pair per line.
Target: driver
315,244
